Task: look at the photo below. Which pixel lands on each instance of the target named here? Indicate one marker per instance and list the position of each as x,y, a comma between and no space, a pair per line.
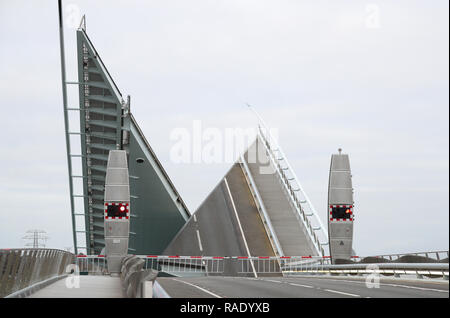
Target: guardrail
136,280
23,271
396,269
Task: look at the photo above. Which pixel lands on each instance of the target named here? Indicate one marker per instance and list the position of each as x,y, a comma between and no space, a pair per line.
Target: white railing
218,265
270,265
91,264
276,265
298,203
194,265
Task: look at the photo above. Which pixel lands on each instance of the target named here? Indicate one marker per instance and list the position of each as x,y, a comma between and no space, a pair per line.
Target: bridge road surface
227,223
291,233
91,286
299,287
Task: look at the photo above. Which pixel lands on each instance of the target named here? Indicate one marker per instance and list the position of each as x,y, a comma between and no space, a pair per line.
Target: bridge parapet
23,271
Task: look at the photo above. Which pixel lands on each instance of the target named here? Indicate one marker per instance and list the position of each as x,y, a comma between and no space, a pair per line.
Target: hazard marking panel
117,210
341,212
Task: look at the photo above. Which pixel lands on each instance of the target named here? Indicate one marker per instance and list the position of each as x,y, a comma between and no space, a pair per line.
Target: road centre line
300,285
240,226
342,293
388,284
198,287
199,241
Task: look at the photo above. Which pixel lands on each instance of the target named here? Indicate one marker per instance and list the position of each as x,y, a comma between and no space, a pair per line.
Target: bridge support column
117,210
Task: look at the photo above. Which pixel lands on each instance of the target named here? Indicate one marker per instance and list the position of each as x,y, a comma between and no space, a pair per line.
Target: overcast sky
368,76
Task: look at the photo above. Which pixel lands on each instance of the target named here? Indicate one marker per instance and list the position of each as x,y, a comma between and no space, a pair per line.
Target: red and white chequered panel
124,207
350,207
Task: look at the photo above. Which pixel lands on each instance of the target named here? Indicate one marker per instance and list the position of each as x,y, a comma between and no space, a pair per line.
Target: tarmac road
300,287
226,224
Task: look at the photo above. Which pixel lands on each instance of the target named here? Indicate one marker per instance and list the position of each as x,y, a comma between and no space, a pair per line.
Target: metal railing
269,265
91,264
285,265
224,265
294,192
186,265
274,265
22,268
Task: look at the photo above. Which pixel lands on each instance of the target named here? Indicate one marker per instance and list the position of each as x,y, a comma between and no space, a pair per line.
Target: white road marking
202,289
300,285
342,293
272,281
240,226
248,278
195,217
388,284
199,242
415,287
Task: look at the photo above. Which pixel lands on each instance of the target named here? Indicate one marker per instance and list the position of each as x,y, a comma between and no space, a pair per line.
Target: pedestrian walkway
89,287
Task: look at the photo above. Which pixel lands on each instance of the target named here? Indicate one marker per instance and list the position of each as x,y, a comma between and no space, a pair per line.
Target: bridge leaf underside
215,228
157,210
230,215
227,223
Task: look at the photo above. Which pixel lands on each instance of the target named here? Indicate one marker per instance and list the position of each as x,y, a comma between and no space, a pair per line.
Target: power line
36,238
